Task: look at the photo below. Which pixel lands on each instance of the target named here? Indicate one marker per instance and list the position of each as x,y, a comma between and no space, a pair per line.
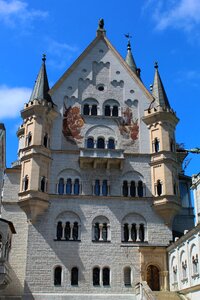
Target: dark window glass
76,186
141,232
29,139
45,141
107,110
26,181
94,110
42,184
156,145
127,276
75,231
115,111
126,233
105,188
61,186
96,231
59,230
100,143
97,187
104,232
74,276
125,188
90,143
140,189
69,186
111,144
57,276
96,276
86,110
132,189
159,188
133,232
106,276
67,231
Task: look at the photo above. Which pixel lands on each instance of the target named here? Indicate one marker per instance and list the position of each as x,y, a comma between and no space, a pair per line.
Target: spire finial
44,57
101,31
156,65
101,24
128,36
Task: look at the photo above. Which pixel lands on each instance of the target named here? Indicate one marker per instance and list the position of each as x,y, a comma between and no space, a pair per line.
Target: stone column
129,233
137,233
71,231
63,231
79,232
100,232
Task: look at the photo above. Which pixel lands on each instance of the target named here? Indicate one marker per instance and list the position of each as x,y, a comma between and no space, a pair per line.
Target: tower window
45,140
96,276
156,145
74,276
57,276
29,139
100,143
25,183
43,184
159,188
106,276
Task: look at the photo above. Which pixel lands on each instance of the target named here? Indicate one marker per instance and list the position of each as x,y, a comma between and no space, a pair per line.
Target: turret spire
41,87
129,57
158,90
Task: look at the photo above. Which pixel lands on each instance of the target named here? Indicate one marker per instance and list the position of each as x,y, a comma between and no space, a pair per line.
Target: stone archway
153,278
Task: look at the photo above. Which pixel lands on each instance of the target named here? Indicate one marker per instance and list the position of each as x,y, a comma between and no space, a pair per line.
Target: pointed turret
129,57
41,87
158,90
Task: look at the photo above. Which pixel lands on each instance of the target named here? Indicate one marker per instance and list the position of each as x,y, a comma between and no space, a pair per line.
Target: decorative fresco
72,124
129,128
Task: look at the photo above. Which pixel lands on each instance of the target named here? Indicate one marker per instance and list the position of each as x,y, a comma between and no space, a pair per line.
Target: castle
98,191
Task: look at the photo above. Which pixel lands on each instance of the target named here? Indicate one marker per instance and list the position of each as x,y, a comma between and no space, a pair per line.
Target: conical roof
41,87
158,90
129,58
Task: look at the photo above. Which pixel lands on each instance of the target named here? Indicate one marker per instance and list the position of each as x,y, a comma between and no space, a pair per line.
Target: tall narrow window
94,110
105,188
29,138
43,184
96,231
75,231
126,233
90,142
57,276
97,187
184,269
86,109
159,188
67,231
100,143
115,111
76,186
61,186
133,232
45,140
111,144
141,232
125,188
156,145
96,276
104,232
74,276
69,186
140,189
59,230
127,276
106,276
107,110
132,189
25,183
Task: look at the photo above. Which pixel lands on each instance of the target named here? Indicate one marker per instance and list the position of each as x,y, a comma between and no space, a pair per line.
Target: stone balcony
101,158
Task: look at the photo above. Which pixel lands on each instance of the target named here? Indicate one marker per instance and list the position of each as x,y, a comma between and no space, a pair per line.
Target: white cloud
183,14
12,12
12,100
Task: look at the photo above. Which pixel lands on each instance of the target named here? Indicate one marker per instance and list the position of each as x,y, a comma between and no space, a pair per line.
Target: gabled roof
41,87
101,36
158,90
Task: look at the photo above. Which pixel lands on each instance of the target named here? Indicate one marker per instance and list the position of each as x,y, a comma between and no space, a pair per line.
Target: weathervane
128,36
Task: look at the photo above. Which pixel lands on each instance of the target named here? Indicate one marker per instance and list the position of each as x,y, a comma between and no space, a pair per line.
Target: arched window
126,233
127,276
141,232
133,232
29,138
104,232
94,110
69,186
76,186
26,183
140,189
61,186
75,231
132,189
86,109
125,188
57,276
100,143
59,230
45,140
159,188
96,276
67,231
96,232
156,145
43,184
97,187
115,111
107,110
111,144
106,276
105,188
90,142
74,276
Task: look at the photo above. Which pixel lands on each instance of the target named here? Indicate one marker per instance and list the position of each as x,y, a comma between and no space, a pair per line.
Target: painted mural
72,124
129,128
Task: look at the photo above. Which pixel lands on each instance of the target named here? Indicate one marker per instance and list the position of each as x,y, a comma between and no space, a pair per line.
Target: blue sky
163,31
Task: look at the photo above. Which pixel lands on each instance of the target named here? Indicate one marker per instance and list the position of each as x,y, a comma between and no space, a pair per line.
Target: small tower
161,121
34,150
129,57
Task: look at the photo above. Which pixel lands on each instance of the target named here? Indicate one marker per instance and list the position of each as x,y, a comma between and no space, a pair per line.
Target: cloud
12,100
15,11
182,14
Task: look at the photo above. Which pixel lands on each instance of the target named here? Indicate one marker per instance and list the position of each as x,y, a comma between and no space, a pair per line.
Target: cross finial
156,65
44,57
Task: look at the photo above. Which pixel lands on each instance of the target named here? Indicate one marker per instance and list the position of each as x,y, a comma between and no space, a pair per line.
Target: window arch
61,186
58,276
106,276
90,142
96,276
100,143
74,276
127,276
